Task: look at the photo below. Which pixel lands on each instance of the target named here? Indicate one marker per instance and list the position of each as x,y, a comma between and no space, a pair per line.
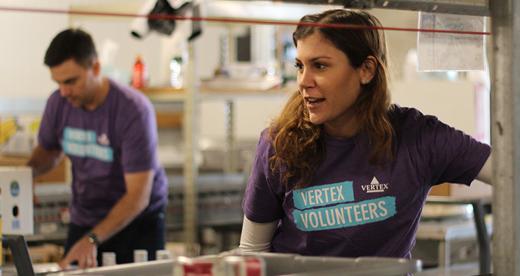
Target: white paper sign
439,51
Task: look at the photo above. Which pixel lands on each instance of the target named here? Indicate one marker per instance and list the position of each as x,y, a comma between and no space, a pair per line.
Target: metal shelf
466,7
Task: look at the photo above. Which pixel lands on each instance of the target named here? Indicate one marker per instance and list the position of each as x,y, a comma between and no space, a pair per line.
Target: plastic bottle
139,73
176,72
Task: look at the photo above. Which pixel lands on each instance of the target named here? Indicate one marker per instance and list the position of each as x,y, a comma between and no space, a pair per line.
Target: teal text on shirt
83,143
323,195
345,215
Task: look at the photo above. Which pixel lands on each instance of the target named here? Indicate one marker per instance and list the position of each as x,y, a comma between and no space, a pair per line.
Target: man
108,131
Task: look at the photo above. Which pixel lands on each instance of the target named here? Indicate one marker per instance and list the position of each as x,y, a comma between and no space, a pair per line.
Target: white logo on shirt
375,186
103,140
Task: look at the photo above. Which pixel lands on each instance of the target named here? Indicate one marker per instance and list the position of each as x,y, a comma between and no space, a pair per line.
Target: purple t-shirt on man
118,137
352,208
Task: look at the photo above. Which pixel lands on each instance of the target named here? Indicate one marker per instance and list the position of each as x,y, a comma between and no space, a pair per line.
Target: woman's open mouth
313,102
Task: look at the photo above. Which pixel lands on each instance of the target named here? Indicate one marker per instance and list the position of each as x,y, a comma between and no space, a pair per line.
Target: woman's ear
368,70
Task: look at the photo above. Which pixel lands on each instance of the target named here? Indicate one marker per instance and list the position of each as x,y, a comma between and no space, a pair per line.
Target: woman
342,172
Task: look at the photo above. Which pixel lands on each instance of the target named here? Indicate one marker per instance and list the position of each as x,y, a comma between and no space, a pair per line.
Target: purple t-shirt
118,137
352,208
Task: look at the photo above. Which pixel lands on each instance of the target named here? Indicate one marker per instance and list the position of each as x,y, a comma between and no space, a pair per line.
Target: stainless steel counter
263,264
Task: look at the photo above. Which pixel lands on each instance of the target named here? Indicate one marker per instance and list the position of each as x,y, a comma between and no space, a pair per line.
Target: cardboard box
169,119
477,189
60,174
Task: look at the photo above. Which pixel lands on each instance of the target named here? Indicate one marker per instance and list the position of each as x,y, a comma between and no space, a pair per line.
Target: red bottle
139,73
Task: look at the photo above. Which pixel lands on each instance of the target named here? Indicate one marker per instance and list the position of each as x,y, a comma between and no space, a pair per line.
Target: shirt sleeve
48,138
450,154
263,196
139,139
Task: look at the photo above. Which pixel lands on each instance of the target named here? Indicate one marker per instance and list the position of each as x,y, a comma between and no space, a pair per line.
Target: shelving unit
186,102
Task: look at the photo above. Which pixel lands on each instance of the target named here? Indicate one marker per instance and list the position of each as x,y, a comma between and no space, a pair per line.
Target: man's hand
42,160
138,190
84,252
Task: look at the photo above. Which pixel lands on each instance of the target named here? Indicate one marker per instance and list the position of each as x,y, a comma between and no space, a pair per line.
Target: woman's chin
316,120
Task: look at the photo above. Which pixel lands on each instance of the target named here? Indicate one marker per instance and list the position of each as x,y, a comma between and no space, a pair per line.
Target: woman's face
328,84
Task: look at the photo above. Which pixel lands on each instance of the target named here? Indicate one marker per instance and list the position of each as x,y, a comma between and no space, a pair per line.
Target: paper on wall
447,51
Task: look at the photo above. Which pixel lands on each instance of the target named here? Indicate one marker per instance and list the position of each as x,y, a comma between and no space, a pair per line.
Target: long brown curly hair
298,144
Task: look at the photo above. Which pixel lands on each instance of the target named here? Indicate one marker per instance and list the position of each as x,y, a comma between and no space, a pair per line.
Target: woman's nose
305,79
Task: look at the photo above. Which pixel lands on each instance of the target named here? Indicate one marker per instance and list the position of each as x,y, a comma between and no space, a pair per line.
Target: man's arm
42,160
137,197
134,201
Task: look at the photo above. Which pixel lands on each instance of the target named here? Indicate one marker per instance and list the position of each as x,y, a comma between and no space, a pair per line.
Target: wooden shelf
169,119
154,90
168,101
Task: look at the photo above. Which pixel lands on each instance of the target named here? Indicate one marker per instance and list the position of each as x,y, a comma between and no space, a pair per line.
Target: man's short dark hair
71,43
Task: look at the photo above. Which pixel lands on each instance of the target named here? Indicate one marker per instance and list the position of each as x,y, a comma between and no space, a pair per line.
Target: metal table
480,225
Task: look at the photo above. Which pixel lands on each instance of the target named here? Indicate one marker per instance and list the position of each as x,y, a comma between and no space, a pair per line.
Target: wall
118,49
25,37
25,77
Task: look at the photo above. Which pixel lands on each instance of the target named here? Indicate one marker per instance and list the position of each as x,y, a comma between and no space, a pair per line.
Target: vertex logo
375,186
103,140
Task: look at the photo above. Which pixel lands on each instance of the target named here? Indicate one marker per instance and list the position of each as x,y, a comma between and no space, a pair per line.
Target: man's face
76,83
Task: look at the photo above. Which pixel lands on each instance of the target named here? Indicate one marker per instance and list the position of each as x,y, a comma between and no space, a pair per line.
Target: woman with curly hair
342,171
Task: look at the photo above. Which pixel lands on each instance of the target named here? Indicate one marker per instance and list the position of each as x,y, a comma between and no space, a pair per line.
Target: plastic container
163,254
176,72
184,266
109,258
240,266
140,256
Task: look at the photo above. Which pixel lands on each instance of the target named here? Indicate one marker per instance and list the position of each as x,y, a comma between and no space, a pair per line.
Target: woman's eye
320,66
298,66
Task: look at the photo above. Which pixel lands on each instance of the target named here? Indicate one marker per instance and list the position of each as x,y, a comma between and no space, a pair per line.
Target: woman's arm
486,173
256,237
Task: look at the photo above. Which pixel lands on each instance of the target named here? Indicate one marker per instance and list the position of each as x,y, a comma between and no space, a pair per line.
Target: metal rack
467,7
479,228
189,102
505,135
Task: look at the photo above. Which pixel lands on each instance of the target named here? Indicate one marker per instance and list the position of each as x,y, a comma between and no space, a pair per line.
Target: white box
16,200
